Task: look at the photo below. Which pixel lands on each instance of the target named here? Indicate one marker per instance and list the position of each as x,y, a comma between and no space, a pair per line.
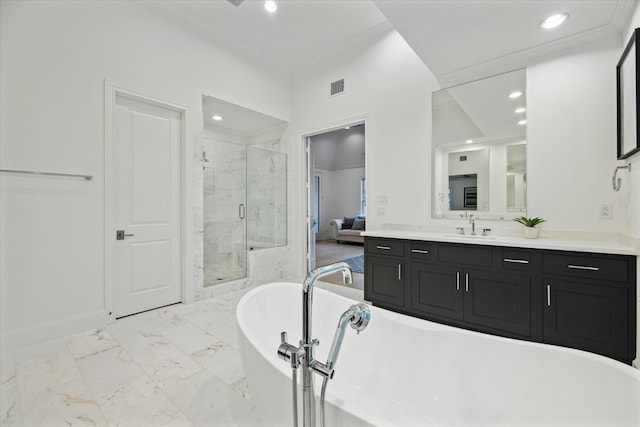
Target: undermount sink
472,236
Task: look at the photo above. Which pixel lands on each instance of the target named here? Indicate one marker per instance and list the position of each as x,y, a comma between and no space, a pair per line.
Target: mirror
479,148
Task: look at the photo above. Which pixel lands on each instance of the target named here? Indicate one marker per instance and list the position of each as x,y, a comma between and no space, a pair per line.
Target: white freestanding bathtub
410,372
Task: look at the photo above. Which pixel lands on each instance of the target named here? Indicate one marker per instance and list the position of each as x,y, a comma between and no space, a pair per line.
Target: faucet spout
307,342
307,295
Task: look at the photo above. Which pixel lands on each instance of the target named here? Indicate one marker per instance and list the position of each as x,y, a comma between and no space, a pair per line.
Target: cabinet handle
385,248
457,280
516,261
399,271
548,295
583,267
466,282
419,251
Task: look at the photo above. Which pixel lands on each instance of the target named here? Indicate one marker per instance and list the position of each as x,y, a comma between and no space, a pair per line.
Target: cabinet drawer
421,251
588,267
515,260
391,247
467,255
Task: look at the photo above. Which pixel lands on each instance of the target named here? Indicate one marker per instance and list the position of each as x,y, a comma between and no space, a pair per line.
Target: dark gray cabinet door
587,317
435,290
384,280
498,300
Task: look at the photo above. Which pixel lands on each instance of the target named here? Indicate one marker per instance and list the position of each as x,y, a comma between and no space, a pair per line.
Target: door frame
186,215
305,141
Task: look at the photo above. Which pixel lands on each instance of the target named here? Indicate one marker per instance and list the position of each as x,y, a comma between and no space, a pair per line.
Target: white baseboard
38,334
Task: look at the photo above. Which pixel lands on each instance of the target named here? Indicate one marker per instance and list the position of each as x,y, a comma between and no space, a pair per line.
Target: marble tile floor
173,366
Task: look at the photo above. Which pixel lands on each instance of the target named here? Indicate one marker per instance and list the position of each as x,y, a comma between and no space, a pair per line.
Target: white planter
531,232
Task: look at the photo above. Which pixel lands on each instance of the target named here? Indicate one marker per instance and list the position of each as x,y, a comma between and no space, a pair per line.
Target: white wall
386,83
55,57
341,196
571,134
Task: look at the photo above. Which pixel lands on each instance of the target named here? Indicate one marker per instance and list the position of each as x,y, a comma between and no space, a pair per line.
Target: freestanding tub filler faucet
358,316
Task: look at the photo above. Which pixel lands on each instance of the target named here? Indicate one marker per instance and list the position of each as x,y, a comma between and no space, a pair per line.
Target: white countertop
606,243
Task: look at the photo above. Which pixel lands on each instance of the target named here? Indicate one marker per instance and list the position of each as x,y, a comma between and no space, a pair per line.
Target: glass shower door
224,198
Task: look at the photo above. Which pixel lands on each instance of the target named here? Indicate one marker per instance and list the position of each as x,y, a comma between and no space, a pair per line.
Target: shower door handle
241,211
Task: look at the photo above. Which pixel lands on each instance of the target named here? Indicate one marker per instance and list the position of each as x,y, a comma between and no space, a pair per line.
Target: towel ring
615,181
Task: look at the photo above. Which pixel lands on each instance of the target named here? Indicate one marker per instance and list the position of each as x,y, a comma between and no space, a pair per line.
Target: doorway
336,171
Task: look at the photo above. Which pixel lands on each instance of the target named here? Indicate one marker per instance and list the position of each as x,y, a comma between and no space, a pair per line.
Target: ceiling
340,148
300,30
481,38
237,119
493,36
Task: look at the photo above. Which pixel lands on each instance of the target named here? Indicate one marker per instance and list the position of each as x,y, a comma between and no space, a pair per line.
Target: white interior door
147,141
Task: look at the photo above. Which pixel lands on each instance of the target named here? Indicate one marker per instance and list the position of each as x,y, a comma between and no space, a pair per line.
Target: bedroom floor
328,252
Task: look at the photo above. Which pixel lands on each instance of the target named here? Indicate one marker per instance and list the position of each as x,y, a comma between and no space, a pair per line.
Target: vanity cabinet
497,300
483,297
385,268
589,303
579,300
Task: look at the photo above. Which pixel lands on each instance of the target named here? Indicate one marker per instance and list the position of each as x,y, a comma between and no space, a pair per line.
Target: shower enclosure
244,206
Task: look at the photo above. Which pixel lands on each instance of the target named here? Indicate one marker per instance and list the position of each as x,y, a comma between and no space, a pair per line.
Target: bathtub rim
418,323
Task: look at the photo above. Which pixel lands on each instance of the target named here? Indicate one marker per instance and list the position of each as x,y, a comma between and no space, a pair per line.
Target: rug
356,264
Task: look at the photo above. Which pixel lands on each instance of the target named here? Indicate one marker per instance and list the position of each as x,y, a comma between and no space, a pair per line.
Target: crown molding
533,55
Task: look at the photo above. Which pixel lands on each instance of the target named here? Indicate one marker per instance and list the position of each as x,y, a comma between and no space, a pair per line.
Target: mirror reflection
479,148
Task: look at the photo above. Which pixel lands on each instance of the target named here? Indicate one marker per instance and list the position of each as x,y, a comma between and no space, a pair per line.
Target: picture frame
628,93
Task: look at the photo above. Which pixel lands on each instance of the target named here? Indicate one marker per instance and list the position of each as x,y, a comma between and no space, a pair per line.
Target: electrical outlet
606,211
380,211
383,200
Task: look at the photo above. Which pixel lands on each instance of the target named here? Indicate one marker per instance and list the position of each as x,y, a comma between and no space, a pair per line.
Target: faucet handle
283,337
460,229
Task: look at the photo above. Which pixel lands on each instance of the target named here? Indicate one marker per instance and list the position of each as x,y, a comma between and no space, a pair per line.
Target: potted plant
530,229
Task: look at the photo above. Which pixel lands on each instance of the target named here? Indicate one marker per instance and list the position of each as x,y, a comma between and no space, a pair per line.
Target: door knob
120,235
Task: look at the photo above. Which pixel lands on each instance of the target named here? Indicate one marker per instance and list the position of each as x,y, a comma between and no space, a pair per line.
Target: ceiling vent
337,87
236,3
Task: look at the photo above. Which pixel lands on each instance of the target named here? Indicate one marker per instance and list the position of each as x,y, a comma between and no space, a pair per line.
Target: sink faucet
303,355
472,221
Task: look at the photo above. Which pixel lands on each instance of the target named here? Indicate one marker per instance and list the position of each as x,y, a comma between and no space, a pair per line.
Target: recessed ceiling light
217,118
515,94
469,141
520,110
347,127
522,122
270,6
553,21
